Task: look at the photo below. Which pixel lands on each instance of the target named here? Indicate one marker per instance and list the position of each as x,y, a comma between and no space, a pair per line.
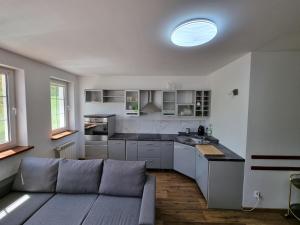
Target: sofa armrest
5,185
147,212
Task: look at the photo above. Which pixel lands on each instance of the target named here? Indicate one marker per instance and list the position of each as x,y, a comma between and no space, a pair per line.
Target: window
59,105
7,109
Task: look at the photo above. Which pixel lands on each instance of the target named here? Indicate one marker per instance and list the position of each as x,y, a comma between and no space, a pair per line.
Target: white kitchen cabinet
169,103
185,159
220,181
116,149
131,150
167,154
132,102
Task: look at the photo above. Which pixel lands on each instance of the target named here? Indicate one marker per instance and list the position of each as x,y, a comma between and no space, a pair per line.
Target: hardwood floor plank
179,202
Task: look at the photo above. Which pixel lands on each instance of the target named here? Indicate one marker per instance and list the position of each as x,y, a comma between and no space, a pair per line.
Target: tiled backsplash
156,124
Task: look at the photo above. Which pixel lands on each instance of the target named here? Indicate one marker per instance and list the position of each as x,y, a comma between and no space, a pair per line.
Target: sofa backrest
123,178
36,175
5,185
79,176
97,176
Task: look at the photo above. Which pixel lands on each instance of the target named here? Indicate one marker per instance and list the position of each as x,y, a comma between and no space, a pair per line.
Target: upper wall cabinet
169,103
186,103
113,96
203,103
93,95
132,102
183,103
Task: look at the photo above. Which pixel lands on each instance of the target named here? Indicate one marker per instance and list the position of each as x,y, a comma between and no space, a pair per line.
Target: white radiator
67,150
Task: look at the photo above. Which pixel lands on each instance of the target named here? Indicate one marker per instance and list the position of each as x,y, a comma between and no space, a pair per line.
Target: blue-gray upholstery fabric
79,176
123,178
111,210
6,185
147,214
17,207
36,175
63,209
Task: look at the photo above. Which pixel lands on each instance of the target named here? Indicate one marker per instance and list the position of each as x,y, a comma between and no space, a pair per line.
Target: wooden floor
179,202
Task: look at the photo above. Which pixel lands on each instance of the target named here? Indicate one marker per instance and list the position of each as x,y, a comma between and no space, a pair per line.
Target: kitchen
190,150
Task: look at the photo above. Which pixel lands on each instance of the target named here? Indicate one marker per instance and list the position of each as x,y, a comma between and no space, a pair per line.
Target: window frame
11,108
64,84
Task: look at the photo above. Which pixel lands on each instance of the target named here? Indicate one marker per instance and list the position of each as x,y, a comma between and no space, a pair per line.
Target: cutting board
209,150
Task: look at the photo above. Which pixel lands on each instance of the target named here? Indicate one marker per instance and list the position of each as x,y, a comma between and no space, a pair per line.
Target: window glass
58,105
4,120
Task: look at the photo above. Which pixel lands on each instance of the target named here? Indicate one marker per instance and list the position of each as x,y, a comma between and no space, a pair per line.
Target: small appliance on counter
201,130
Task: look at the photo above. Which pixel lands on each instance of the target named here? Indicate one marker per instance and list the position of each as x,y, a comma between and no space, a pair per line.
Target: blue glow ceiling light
194,32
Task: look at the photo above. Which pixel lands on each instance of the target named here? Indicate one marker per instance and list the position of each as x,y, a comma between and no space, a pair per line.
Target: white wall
273,125
230,113
36,81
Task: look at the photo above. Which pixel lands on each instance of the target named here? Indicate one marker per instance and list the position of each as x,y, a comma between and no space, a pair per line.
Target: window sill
63,134
14,151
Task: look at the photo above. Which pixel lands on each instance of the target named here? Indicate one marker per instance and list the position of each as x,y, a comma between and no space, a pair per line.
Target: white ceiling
132,37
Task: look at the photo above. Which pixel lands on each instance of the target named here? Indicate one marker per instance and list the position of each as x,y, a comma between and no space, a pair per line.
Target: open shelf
202,103
113,96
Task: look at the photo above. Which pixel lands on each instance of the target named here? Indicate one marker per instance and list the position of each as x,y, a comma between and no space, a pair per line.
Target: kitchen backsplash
156,124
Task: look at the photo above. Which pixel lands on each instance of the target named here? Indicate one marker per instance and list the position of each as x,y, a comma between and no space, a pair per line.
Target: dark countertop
229,155
143,137
99,115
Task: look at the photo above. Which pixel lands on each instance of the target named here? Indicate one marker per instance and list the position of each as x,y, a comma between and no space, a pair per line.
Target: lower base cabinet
157,154
185,159
131,150
116,149
221,182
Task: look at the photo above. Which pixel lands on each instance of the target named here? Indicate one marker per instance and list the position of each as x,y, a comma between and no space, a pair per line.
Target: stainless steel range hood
150,107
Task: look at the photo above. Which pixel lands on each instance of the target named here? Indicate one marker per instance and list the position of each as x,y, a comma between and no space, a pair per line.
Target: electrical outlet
257,195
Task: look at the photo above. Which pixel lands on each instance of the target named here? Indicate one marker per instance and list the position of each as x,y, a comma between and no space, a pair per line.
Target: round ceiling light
194,32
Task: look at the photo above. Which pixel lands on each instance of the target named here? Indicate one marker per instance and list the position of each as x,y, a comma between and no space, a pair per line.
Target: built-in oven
97,129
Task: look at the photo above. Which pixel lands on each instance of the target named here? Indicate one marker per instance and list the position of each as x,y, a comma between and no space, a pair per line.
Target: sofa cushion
36,175
123,178
66,209
112,210
17,207
79,176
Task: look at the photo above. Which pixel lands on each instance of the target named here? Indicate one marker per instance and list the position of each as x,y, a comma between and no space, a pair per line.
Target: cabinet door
116,149
131,150
167,154
151,163
202,174
149,149
185,159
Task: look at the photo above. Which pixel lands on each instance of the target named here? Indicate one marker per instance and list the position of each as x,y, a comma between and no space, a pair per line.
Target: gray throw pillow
36,175
123,178
79,176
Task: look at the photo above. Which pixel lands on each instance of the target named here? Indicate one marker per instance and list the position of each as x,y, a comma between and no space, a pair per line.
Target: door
131,151
202,174
185,159
116,149
167,154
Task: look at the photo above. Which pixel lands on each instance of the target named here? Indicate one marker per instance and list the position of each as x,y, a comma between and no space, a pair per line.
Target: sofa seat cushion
17,207
36,175
79,176
112,210
123,178
63,209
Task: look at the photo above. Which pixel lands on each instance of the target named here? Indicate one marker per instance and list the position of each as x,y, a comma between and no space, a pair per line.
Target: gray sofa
74,192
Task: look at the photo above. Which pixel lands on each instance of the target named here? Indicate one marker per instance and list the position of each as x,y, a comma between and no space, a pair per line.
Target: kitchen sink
192,140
